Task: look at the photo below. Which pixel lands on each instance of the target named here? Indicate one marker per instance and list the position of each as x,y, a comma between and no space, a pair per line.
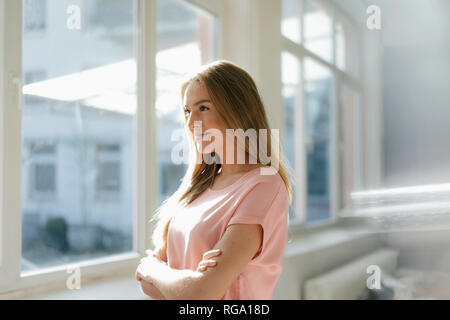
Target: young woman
231,210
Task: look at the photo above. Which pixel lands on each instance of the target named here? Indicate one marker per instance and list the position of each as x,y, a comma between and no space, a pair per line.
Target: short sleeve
265,204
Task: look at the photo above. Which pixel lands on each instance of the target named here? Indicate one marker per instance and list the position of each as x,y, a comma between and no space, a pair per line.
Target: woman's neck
233,169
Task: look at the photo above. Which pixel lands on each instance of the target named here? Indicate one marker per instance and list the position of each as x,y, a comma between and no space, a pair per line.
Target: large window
85,172
322,110
78,133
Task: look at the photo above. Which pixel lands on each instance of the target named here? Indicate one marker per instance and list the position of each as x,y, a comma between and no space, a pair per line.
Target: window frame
12,280
10,71
339,78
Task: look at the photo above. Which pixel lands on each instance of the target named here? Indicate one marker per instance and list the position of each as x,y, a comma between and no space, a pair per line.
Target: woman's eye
186,111
204,107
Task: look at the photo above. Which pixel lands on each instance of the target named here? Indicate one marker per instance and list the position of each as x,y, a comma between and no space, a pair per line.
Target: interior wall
416,85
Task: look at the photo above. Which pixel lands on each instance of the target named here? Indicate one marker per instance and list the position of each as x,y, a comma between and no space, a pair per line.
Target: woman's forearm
150,290
172,283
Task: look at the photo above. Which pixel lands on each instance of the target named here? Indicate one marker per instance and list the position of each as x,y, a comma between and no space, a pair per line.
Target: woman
235,211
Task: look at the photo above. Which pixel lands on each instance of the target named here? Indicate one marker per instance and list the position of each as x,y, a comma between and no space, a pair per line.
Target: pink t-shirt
253,199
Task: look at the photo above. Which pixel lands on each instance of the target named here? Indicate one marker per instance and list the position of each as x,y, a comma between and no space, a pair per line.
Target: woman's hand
207,262
146,264
160,253
151,261
150,290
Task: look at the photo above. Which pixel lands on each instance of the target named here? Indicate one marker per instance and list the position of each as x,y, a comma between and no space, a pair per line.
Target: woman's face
198,107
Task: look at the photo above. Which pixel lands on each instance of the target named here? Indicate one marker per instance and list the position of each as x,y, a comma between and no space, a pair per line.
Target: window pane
105,14
44,178
291,93
318,86
34,15
182,48
346,53
78,134
291,19
318,29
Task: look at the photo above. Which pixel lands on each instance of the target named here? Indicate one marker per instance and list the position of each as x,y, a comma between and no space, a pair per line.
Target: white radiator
349,281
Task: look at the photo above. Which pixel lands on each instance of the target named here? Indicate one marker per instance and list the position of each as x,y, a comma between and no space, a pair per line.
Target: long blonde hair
234,94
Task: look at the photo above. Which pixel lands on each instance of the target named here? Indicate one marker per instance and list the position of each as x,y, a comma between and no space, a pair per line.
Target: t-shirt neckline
237,181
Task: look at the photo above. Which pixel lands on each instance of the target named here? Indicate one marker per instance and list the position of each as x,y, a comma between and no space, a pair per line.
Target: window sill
50,281
124,287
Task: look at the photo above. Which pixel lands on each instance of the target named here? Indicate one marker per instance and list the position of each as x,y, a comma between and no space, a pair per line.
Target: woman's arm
238,246
149,289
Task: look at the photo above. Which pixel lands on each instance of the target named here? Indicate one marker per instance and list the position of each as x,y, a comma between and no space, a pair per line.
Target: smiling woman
239,209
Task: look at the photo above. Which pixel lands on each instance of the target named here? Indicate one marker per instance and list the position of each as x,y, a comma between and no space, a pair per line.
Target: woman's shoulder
266,175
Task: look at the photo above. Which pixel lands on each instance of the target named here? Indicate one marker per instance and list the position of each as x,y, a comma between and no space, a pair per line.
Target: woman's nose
194,122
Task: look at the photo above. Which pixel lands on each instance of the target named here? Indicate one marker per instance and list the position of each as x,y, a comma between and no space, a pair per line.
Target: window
345,41
322,110
34,15
108,170
32,77
291,26
317,88
109,14
81,205
82,137
318,26
182,48
43,171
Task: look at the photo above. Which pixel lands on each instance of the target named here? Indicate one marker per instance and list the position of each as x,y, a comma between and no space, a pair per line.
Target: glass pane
349,135
291,92
182,49
318,29
318,88
346,53
77,131
291,19
34,15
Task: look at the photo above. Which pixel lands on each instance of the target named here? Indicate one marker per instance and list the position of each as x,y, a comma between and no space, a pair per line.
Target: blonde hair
234,94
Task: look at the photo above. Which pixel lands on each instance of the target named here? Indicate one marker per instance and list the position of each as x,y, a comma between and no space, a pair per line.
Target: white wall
416,85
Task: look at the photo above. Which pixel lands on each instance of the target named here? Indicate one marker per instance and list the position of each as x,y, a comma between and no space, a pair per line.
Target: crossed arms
238,247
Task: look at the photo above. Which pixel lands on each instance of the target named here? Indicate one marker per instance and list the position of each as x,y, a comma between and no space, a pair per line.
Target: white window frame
339,77
10,193
12,281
